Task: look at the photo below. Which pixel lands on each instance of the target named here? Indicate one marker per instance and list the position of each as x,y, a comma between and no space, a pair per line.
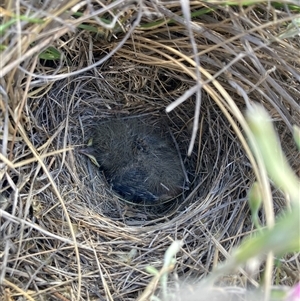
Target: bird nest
64,232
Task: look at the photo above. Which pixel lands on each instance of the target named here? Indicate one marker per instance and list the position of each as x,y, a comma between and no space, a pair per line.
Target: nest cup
98,194
51,117
215,203
218,169
211,168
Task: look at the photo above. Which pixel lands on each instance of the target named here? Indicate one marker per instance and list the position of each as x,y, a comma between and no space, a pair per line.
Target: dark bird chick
139,161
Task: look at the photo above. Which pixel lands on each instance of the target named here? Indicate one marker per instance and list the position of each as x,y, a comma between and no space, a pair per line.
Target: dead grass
64,235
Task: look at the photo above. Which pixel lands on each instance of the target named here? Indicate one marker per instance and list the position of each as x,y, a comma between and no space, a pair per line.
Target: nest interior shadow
139,159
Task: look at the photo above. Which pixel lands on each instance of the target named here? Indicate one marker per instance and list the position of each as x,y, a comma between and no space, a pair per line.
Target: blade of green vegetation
50,53
276,163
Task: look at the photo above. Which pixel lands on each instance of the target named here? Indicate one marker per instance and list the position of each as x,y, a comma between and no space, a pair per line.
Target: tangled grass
65,66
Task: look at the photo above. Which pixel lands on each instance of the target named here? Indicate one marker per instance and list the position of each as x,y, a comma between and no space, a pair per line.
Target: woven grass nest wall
66,67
